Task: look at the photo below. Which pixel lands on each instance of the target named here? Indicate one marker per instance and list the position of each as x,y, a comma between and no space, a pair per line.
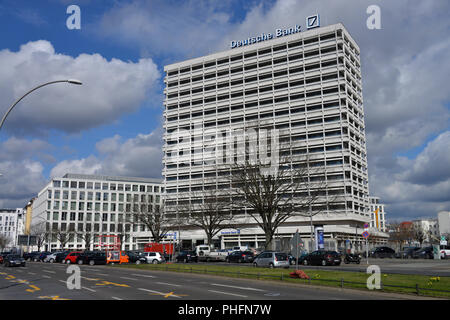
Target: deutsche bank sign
311,22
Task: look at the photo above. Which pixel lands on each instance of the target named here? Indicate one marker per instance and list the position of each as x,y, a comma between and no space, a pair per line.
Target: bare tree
41,231
87,237
290,184
4,241
418,233
209,210
400,233
143,211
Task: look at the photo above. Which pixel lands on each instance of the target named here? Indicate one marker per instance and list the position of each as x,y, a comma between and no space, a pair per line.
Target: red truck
163,248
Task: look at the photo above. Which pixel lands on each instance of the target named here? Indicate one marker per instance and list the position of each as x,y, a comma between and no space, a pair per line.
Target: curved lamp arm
71,81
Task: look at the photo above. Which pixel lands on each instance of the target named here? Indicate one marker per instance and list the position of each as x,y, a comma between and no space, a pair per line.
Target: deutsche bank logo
313,21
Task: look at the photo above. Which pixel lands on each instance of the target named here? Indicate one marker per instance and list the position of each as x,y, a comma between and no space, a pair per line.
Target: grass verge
395,283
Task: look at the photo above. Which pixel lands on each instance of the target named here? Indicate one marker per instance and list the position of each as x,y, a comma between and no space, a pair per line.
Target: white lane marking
49,271
31,273
142,275
169,284
103,274
161,293
228,293
89,289
44,276
243,288
128,278
115,298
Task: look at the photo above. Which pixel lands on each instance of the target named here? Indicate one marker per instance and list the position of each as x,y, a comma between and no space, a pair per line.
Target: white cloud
110,88
136,157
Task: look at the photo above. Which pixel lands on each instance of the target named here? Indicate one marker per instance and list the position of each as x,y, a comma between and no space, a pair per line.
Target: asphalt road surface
45,281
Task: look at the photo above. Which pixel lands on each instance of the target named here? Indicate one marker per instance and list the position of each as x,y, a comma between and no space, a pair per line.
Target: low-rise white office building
97,205
11,225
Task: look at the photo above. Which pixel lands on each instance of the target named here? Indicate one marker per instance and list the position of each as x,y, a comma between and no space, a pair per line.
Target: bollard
342,283
417,288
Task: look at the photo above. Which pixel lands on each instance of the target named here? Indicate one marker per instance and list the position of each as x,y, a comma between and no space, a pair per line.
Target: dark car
424,253
135,258
382,252
42,256
323,257
29,256
60,257
240,256
187,256
406,253
293,260
92,258
13,260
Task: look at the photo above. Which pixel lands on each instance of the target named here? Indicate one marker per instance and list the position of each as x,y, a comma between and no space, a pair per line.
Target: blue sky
113,124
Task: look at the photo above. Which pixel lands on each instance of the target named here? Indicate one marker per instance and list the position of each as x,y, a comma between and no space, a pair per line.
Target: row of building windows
250,67
89,206
82,195
286,125
256,91
105,186
261,77
261,52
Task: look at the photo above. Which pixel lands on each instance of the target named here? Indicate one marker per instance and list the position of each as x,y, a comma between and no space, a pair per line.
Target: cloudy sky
112,124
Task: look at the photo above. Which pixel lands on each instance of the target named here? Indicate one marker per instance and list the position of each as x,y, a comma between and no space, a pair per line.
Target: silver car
272,259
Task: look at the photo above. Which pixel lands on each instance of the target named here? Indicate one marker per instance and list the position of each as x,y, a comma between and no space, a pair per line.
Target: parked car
293,260
187,256
153,257
271,259
424,253
12,260
51,257
30,256
240,248
323,257
352,258
91,258
382,252
240,256
72,257
60,257
445,251
134,258
42,256
406,253
1,259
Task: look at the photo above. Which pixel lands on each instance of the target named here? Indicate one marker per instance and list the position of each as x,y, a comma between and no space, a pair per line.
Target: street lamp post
71,81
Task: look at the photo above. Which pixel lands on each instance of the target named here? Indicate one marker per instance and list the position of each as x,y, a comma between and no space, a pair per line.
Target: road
435,268
45,281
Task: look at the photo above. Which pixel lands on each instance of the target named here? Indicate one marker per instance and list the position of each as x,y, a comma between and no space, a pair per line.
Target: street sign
366,226
443,243
365,234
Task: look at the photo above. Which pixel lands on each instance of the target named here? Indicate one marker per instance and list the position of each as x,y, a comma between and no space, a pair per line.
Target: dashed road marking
228,293
166,295
143,275
169,284
128,278
235,287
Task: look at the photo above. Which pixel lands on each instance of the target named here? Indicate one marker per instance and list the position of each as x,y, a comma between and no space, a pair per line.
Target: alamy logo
74,280
374,281
74,20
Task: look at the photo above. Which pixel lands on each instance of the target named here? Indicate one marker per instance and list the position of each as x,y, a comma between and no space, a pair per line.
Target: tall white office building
98,205
308,87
